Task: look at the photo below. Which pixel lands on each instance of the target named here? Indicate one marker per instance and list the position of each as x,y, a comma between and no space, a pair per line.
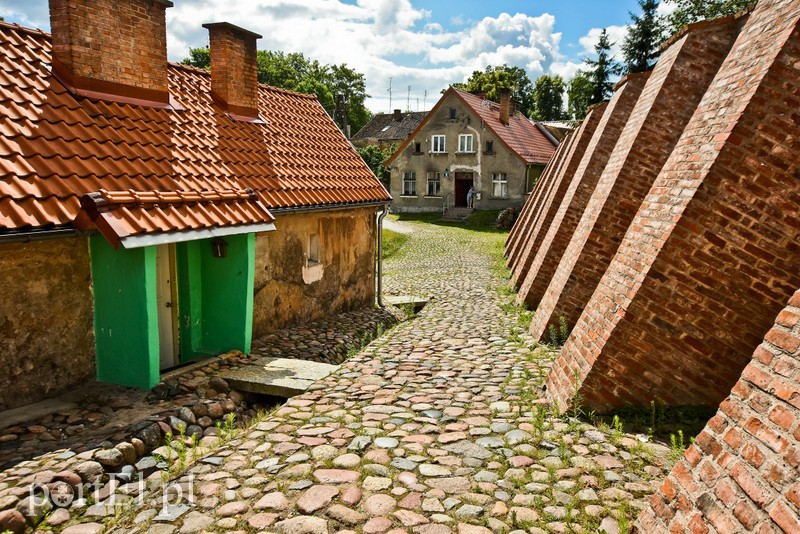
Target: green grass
479,220
392,242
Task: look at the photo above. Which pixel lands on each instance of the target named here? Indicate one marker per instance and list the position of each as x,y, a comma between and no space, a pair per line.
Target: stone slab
281,377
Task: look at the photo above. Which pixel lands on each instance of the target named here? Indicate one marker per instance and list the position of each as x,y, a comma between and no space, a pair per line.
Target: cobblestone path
436,427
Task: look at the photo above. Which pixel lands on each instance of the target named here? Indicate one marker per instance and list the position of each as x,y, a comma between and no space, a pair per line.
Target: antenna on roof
390,93
424,98
408,99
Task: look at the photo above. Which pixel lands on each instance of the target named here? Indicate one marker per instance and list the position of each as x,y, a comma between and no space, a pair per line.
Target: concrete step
281,377
457,214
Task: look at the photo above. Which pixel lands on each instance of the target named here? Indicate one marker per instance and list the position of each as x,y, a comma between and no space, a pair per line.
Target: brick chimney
234,69
505,106
398,115
112,49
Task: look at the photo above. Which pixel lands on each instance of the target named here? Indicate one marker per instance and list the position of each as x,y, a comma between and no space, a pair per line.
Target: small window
465,143
500,185
437,144
417,148
313,250
409,184
490,146
434,188
452,113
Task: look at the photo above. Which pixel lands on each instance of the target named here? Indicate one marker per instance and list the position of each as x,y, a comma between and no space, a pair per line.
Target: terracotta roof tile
55,149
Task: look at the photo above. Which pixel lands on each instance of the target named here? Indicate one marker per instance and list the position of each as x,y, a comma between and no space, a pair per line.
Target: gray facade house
466,142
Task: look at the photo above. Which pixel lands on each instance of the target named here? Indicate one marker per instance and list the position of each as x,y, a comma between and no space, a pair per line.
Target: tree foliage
493,79
295,72
579,95
645,34
374,156
548,98
689,11
602,69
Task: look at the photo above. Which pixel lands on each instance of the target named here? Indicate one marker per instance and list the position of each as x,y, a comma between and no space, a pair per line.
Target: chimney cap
165,2
229,26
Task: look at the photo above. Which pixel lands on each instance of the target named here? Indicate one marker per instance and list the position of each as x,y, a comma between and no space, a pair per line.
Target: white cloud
616,36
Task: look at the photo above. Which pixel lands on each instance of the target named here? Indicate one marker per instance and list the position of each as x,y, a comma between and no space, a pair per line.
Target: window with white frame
437,144
434,185
500,185
465,143
409,184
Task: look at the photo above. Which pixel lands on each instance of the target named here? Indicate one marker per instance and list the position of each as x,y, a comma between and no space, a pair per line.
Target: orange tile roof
521,135
54,149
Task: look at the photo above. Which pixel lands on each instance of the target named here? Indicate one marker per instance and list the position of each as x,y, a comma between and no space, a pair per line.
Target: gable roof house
466,142
385,129
153,213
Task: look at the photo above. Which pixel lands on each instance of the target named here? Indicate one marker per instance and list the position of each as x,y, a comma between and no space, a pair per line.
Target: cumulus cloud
384,39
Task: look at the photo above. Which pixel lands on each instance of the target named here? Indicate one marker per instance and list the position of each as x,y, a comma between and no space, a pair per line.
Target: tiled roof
521,135
385,127
54,149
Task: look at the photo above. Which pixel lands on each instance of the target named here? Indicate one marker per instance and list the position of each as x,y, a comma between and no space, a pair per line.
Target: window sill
433,196
409,196
464,153
417,153
489,153
437,153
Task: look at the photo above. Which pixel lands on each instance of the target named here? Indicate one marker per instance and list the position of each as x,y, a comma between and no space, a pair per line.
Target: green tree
579,95
491,80
375,156
602,69
689,11
645,34
548,98
295,72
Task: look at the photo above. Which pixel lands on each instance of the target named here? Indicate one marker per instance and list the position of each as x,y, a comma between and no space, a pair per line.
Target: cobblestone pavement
435,427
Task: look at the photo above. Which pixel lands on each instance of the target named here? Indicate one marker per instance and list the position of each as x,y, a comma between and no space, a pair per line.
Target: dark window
489,146
417,148
452,113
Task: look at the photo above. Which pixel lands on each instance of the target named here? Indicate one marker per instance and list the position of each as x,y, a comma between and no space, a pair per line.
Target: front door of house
463,182
166,301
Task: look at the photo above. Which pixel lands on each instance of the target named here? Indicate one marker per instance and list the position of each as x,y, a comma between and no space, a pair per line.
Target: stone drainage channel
92,455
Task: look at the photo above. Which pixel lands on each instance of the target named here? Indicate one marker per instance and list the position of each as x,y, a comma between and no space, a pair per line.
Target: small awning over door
142,218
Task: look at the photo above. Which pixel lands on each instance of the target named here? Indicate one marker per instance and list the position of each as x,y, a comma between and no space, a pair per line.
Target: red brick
785,517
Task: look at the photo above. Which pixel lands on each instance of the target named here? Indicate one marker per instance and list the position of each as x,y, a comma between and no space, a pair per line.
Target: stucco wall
480,163
46,336
287,291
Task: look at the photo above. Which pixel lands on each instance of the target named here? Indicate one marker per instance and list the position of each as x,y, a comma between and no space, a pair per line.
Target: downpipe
379,256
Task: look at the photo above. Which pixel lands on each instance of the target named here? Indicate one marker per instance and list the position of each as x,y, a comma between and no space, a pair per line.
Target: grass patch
392,242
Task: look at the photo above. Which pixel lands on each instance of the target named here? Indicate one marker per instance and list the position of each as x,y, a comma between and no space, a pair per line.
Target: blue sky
424,44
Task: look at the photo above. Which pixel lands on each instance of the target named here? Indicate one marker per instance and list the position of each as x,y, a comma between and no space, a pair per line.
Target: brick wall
741,472
520,229
666,104
234,67
712,255
539,195
110,41
559,232
561,182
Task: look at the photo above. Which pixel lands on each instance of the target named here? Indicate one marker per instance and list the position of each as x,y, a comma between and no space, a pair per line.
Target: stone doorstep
282,377
31,412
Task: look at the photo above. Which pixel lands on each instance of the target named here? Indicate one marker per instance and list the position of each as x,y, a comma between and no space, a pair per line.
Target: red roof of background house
521,136
161,170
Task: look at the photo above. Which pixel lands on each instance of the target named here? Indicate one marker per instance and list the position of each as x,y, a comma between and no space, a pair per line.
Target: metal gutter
379,256
327,207
26,236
